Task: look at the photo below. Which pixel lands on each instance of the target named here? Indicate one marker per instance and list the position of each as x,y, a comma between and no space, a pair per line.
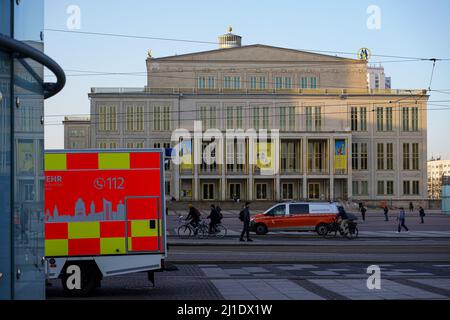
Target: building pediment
255,53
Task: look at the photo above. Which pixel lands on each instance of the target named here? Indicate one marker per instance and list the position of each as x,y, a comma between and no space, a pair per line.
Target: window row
384,118
385,188
385,156
257,82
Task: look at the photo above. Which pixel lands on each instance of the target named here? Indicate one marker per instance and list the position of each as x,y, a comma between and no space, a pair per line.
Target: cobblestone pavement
338,281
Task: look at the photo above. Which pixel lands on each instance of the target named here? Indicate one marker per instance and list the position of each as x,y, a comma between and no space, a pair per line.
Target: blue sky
408,28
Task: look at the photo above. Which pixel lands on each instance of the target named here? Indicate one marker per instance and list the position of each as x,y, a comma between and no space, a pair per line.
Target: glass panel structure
22,94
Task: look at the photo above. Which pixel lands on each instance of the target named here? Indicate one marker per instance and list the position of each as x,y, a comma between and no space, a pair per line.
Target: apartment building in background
376,77
437,169
339,138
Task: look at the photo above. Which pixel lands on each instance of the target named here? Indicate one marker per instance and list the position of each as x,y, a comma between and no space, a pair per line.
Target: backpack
241,215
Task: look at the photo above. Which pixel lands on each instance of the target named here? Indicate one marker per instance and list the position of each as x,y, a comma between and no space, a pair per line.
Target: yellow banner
263,153
340,155
186,155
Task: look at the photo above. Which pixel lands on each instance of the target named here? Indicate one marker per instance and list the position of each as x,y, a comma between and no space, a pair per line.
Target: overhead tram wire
216,43
294,65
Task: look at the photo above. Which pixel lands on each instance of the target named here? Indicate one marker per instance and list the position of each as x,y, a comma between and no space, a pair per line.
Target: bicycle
219,232
350,232
186,229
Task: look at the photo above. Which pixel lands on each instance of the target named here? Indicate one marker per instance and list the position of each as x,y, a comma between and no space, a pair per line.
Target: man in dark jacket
386,211
193,216
421,214
245,214
214,217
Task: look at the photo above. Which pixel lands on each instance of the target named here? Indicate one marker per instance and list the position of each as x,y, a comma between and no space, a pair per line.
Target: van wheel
321,229
261,229
88,282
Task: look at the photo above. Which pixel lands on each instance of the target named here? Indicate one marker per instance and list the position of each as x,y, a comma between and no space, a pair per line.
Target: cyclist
342,218
194,217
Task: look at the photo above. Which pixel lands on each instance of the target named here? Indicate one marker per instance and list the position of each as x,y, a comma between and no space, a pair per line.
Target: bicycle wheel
184,231
330,233
352,233
203,231
221,231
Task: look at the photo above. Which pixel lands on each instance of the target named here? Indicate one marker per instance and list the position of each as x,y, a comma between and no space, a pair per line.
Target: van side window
298,209
277,211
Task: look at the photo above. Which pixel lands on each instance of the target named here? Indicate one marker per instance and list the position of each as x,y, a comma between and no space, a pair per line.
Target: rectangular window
227,82
208,116
308,118
363,119
208,191
261,191
355,187
415,119
262,82
201,82
380,187
406,188
389,156
288,191
287,83
380,156
415,188
405,119
390,188
260,118
234,117
278,83
379,119
211,82
389,119
354,118
354,156
289,157
364,188
304,83
287,118
161,118
236,82
363,156
313,82
415,156
135,118
317,118
107,118
406,156
253,82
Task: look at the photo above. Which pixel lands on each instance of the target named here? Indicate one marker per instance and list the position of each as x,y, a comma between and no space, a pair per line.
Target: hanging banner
340,155
264,152
186,155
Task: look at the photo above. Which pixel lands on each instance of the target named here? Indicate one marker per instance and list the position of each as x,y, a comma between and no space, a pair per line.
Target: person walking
363,212
244,216
401,220
411,207
386,211
421,214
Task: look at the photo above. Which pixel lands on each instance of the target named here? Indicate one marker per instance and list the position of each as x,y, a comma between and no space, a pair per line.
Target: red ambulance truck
104,215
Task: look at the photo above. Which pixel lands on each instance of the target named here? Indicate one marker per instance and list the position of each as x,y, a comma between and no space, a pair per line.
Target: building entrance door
314,191
235,191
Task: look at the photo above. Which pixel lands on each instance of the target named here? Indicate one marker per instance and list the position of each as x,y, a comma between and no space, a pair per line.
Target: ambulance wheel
88,282
261,229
